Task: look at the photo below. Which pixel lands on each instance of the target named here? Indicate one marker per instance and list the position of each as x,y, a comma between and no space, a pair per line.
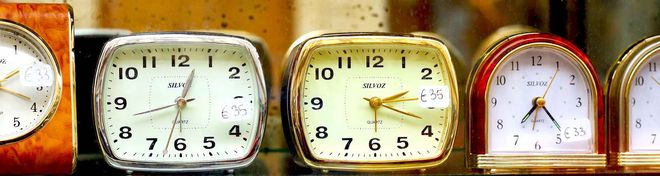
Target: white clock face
217,119
341,84
518,119
643,109
28,84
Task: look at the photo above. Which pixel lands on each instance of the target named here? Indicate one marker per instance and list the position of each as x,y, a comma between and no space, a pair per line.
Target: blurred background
601,28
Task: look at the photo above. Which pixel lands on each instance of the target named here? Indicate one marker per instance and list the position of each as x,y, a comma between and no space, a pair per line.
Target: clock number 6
373,144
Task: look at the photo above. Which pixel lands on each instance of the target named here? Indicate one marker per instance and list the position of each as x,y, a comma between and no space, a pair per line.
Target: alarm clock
37,90
632,92
534,105
183,101
369,102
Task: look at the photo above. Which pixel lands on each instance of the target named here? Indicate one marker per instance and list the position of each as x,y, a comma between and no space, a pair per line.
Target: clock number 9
121,103
494,101
318,102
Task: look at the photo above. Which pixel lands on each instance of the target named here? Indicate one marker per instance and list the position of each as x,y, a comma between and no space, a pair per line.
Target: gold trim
47,52
619,83
540,161
542,157
300,56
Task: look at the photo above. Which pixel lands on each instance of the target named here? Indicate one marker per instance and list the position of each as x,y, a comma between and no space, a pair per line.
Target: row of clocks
196,101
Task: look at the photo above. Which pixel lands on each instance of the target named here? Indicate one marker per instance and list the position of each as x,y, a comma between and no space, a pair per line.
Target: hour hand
11,74
160,108
528,114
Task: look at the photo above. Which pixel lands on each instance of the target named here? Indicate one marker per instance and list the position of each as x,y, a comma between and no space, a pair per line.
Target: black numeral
579,102
427,131
210,61
235,130
536,60
348,142
652,67
234,73
501,80
210,142
184,61
325,73
427,74
403,62
517,137
378,62
403,142
515,66
321,132
639,81
340,63
153,143
638,123
145,62
17,123
125,132
499,124
33,107
318,102
179,144
572,83
129,73
373,144
120,103
493,101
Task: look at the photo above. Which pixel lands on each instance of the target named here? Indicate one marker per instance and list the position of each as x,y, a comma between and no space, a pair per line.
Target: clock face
540,100
181,102
643,106
29,83
376,102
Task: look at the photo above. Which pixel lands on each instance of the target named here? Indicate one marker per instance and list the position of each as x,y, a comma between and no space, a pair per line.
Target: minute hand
552,118
160,108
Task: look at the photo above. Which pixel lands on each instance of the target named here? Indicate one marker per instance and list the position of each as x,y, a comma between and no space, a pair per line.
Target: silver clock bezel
182,37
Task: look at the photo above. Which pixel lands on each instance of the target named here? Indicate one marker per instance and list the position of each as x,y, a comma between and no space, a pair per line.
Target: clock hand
395,96
186,88
20,95
400,100
161,108
167,144
552,118
375,120
529,113
656,81
402,112
541,101
11,74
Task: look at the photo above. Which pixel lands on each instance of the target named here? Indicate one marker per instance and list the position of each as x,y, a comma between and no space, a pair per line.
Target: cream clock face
180,102
539,100
643,109
28,83
376,102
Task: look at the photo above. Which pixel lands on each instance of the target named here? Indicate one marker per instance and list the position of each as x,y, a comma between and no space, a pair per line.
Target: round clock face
643,106
376,102
180,102
29,85
540,100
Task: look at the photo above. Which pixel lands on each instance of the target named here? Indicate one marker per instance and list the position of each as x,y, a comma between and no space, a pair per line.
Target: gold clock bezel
41,46
544,160
619,83
299,57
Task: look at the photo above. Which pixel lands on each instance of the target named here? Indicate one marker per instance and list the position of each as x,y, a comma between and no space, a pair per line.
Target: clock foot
129,172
